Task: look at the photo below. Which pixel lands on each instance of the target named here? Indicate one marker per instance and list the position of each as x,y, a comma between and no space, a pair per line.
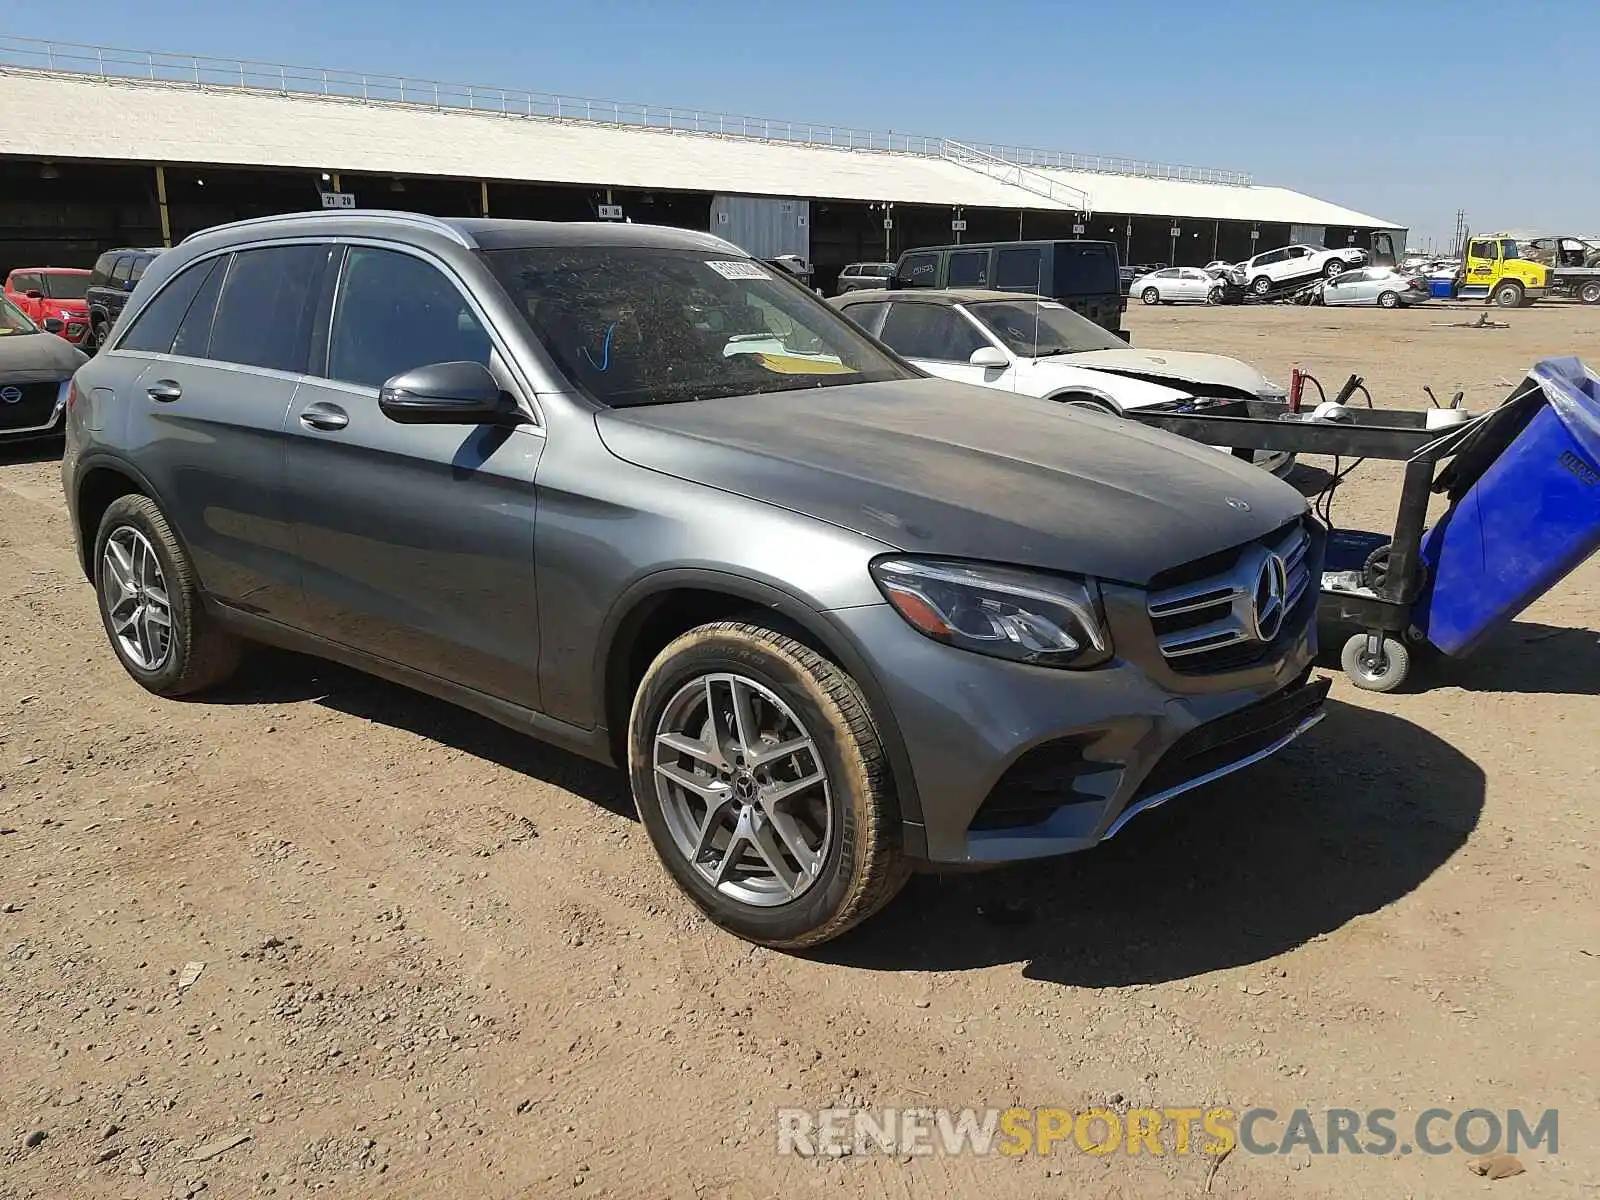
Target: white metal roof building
87,105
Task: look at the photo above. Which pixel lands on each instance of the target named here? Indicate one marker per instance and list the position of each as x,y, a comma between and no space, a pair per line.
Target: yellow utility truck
1493,268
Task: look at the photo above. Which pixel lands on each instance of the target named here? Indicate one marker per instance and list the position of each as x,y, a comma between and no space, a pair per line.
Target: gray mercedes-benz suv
630,491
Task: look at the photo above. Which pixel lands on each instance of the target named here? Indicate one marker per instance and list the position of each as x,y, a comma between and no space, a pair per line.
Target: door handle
164,391
324,416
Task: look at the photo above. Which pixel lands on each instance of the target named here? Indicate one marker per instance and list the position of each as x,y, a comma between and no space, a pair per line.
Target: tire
197,654
1384,673
848,822
1388,300
1215,296
99,328
1508,295
1261,285
1589,292
1333,268
1150,296
1083,400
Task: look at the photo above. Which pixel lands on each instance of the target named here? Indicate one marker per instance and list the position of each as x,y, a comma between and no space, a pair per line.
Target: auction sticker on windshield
737,270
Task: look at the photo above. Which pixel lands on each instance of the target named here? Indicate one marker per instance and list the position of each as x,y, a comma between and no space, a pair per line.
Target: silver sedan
1177,285
1382,287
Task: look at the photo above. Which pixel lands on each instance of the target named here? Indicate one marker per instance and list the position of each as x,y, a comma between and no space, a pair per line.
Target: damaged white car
1038,347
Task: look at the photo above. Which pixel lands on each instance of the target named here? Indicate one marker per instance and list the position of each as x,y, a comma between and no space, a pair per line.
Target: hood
932,467
37,358
1178,368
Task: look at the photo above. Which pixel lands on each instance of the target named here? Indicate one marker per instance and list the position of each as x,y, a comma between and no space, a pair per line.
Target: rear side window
930,331
156,326
918,271
395,312
1019,270
265,312
1085,269
969,268
868,316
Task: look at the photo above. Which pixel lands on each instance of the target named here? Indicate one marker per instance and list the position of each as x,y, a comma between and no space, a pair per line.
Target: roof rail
420,220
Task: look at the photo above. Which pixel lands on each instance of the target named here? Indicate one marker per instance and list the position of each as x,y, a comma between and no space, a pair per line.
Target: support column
483,196
336,186
1216,239
161,202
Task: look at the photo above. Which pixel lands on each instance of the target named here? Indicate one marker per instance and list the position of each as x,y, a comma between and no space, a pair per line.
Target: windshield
1042,328
66,287
634,325
13,320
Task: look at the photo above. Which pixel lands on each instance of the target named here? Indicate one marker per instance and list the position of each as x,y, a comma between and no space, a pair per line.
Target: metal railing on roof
193,70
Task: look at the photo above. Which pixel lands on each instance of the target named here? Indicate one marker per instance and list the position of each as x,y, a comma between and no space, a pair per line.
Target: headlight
1041,619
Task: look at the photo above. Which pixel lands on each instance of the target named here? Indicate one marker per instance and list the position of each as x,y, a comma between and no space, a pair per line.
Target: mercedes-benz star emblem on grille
10,394
1235,502
1271,592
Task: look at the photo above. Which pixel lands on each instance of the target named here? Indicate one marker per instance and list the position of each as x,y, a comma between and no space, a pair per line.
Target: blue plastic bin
1529,518
1442,289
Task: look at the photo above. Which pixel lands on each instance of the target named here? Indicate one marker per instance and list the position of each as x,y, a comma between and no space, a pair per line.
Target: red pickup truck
58,292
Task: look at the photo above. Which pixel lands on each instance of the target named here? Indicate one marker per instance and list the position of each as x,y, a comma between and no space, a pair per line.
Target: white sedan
1177,285
1038,347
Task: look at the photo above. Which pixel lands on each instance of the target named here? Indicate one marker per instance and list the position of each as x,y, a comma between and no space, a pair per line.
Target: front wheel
1388,300
1214,296
1508,295
1261,286
1334,269
1383,671
1151,296
1589,293
764,786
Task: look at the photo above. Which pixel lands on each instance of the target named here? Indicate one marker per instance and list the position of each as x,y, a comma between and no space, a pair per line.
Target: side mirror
990,358
447,393
34,294
54,324
128,285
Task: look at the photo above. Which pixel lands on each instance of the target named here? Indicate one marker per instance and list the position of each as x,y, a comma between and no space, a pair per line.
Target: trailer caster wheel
1381,672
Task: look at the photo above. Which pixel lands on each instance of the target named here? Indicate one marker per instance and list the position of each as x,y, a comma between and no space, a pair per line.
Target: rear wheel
1151,296
763,784
1508,295
1388,300
150,603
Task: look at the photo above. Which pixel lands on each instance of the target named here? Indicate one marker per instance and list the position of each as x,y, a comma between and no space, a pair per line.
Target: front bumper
1013,762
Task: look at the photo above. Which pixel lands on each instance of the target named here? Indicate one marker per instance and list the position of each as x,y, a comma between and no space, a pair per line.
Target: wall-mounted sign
338,199
611,212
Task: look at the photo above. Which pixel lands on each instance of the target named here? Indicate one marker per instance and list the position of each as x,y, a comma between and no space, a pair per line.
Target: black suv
115,274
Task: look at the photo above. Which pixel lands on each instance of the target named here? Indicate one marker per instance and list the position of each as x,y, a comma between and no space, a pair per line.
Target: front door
941,340
415,541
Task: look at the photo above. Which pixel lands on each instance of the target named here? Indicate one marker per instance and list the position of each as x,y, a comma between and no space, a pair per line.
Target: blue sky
1393,107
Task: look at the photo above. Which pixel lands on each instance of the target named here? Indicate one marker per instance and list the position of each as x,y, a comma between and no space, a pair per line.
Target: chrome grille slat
1217,615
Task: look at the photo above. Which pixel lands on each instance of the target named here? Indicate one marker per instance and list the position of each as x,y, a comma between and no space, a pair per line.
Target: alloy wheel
136,599
743,789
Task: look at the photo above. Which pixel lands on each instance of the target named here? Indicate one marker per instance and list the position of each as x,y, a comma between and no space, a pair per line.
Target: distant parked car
52,293
1035,346
35,375
1383,287
114,276
1218,268
1275,270
859,277
1177,285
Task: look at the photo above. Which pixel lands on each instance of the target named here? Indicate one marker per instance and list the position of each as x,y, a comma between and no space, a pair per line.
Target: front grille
1235,737
1226,611
32,407
1037,784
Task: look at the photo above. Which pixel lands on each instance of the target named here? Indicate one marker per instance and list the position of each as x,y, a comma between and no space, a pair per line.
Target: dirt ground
440,960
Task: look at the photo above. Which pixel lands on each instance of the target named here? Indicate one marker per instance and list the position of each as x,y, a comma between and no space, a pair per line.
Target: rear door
416,540
225,343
